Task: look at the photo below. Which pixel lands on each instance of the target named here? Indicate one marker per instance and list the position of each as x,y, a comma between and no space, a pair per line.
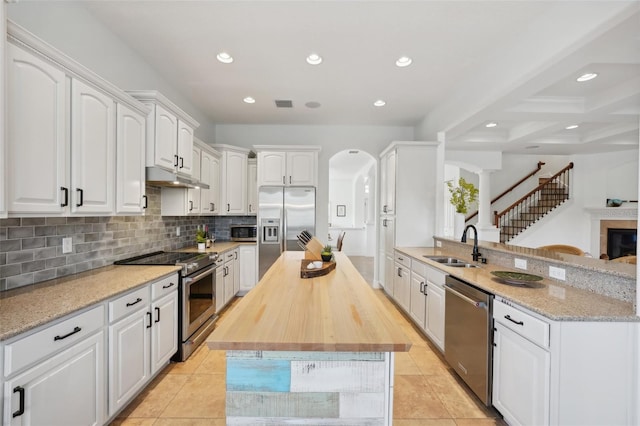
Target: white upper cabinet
252,186
92,150
61,135
287,165
169,133
193,194
37,174
210,174
130,151
233,195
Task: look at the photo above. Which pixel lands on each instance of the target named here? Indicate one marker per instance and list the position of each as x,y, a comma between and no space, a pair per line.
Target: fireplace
618,237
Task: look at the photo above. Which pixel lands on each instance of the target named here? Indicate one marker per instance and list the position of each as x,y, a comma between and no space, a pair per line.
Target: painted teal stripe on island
258,375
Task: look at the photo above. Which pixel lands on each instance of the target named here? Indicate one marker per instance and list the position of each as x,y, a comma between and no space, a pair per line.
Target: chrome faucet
475,254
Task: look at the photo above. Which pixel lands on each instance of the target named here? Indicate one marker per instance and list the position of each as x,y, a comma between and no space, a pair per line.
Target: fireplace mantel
613,212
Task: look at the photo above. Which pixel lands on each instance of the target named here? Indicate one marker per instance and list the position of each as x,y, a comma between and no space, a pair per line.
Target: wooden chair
625,259
340,238
563,248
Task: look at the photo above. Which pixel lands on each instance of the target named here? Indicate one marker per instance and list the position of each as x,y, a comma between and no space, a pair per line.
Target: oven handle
476,303
210,271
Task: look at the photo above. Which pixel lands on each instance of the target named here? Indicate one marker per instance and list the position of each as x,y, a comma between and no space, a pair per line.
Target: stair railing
527,209
511,188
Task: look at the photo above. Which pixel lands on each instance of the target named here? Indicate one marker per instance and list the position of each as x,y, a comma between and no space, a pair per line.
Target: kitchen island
316,350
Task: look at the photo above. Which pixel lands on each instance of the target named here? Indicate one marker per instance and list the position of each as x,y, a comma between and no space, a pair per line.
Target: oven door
198,300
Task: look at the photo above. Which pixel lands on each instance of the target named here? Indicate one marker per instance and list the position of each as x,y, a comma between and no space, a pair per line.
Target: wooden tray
311,273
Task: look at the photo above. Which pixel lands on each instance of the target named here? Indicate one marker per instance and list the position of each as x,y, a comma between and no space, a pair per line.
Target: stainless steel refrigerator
283,213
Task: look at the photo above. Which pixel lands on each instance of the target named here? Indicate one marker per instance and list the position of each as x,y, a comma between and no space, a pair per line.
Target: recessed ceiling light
224,57
571,127
249,100
314,59
491,124
586,77
379,103
404,61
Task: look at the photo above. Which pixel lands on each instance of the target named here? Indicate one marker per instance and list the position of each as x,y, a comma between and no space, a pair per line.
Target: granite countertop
551,299
28,307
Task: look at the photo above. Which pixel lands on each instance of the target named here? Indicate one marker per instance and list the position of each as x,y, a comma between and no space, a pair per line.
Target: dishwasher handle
477,303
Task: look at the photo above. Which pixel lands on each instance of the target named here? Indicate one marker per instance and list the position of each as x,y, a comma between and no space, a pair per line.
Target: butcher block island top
337,312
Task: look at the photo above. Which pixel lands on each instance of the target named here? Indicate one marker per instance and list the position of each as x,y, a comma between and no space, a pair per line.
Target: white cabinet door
520,378
194,194
220,302
164,332
130,164
389,235
214,191
129,356
235,183
248,273
206,204
165,131
390,183
185,149
67,389
37,169
252,187
417,300
236,272
434,320
272,168
228,281
389,273
301,168
92,150
401,285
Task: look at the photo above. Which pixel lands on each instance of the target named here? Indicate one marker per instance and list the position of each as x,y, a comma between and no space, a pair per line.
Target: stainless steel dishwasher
468,335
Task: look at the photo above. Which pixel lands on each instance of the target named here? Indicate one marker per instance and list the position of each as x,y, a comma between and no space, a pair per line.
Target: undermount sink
451,261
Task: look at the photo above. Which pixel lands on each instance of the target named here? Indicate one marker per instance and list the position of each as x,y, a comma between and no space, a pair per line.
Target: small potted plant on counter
327,253
201,239
462,195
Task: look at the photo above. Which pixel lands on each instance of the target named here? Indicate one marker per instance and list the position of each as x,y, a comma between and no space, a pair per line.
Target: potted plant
201,239
462,195
327,253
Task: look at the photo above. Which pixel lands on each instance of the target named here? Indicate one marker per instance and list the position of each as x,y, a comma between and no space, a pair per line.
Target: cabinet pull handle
181,162
384,222
20,411
422,289
75,330
81,193
66,196
138,300
190,205
384,208
176,160
508,317
289,180
157,314
211,206
146,202
236,253
249,208
400,272
283,180
167,286
228,207
150,320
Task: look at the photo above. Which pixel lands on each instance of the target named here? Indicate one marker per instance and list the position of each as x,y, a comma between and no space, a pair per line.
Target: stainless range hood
157,176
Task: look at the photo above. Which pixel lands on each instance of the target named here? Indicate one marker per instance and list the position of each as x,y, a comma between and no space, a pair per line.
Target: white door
272,168
37,162
228,281
67,389
194,194
236,273
301,168
92,150
520,378
247,263
206,204
166,143
215,184
129,356
130,164
434,323
401,284
185,148
390,188
164,332
252,187
417,299
220,302
235,183
389,273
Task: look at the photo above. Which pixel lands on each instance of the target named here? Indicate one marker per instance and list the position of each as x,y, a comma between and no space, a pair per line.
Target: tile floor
426,391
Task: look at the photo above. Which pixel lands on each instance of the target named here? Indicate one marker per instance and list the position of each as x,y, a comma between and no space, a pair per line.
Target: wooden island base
309,351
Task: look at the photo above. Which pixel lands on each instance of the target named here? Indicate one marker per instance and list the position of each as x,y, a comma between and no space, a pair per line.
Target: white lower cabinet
248,267
427,301
402,281
220,302
418,302
434,318
56,376
143,336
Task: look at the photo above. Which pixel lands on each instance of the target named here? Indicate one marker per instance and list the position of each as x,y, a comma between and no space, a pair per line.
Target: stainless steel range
196,295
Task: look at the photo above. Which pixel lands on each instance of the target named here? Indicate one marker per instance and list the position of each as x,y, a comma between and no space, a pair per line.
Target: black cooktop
190,262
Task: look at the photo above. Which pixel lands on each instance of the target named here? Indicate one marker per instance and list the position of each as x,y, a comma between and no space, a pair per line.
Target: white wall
333,139
71,29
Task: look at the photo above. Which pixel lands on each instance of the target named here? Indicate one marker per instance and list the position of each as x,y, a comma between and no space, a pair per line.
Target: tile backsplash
31,248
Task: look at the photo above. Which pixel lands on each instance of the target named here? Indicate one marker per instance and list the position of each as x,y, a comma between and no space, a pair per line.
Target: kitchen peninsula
319,348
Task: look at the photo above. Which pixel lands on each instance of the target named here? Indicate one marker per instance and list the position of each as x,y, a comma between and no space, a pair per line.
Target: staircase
550,193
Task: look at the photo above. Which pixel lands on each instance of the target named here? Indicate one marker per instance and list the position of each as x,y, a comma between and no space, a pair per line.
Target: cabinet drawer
164,286
419,268
522,323
128,303
229,256
403,259
44,343
435,276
